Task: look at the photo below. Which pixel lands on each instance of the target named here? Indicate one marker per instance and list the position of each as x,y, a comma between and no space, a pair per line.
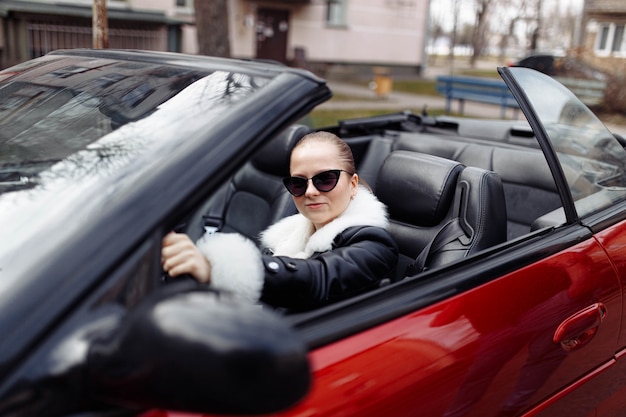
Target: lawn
325,118
418,86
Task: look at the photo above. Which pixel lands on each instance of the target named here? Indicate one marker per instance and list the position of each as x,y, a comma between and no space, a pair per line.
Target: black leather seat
439,210
255,197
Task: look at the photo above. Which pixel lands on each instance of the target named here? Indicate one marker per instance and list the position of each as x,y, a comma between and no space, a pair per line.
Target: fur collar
296,237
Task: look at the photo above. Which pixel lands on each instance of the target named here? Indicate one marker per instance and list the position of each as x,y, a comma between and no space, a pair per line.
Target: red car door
610,390
589,165
518,343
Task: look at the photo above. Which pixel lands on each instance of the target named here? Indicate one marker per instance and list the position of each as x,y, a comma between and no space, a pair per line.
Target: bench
475,89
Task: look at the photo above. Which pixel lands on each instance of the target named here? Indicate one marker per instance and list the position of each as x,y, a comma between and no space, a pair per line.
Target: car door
613,401
489,350
530,328
592,162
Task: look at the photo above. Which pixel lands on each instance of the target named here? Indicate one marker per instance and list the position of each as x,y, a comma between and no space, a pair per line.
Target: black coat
360,258
304,267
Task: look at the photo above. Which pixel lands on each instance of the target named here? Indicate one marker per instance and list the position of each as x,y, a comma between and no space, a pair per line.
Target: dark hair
343,150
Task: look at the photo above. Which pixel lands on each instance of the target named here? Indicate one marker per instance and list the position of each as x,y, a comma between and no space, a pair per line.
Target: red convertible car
508,299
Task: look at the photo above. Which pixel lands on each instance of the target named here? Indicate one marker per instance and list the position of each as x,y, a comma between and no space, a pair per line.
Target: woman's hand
179,256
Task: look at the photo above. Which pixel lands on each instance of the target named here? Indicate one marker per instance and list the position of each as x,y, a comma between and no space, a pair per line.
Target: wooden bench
475,89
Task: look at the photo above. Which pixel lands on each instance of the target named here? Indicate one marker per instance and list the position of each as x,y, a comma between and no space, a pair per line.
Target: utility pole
100,25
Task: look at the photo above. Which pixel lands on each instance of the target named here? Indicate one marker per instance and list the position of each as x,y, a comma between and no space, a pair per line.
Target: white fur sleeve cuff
236,264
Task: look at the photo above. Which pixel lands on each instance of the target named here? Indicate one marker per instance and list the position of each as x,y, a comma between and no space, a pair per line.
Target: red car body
528,326
471,354
541,340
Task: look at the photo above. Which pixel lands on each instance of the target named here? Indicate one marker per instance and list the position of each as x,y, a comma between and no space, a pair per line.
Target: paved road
364,98
397,101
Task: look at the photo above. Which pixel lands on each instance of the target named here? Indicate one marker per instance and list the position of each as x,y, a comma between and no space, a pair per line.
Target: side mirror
197,351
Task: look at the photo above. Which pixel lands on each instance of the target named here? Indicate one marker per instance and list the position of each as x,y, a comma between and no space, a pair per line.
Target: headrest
273,157
417,188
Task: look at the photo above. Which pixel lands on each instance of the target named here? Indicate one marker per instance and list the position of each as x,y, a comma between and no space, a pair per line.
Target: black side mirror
197,351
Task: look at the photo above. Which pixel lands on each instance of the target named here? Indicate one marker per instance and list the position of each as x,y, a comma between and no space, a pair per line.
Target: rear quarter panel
476,353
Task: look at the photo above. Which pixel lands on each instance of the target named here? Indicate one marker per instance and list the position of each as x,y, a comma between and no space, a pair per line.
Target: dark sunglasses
324,182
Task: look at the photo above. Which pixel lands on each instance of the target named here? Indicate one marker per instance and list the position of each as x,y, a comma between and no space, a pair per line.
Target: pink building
605,41
351,35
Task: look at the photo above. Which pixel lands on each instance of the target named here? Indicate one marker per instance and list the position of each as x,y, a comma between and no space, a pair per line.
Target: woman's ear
354,185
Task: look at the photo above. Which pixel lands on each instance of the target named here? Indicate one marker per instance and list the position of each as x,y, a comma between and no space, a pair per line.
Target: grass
325,118
482,73
319,119
417,86
425,87
462,67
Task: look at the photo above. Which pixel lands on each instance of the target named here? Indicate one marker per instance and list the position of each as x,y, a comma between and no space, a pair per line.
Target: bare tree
456,4
436,32
479,36
534,39
212,27
561,33
512,13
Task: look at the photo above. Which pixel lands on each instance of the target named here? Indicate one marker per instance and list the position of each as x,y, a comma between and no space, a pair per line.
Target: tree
534,39
479,36
456,4
212,27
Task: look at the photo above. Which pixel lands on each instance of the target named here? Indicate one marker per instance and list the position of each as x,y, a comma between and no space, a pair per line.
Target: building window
610,39
618,37
337,12
184,3
604,36
45,36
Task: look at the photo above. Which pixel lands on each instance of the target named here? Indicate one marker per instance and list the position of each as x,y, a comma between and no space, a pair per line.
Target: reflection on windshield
66,110
69,139
593,160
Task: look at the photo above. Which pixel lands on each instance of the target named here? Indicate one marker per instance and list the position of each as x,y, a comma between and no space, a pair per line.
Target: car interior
447,197
255,196
439,210
528,186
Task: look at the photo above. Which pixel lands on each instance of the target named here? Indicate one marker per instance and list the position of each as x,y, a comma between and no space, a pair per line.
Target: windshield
593,160
51,114
70,122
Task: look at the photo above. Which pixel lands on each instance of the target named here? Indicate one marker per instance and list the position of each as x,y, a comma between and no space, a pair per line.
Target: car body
104,152
558,65
543,62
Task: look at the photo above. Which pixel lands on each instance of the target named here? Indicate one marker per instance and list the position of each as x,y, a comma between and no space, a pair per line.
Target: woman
336,247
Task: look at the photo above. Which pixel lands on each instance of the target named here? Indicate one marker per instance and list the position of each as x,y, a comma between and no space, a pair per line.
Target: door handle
579,328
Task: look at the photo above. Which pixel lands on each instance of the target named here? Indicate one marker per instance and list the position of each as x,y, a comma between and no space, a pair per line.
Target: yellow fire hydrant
383,83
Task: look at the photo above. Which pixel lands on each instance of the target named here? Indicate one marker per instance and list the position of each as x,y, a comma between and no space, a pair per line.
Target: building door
271,34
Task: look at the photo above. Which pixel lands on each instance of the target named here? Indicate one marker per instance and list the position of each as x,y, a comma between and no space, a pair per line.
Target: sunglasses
324,182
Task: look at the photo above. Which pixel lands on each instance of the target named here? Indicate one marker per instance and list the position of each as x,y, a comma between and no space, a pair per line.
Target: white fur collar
296,237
